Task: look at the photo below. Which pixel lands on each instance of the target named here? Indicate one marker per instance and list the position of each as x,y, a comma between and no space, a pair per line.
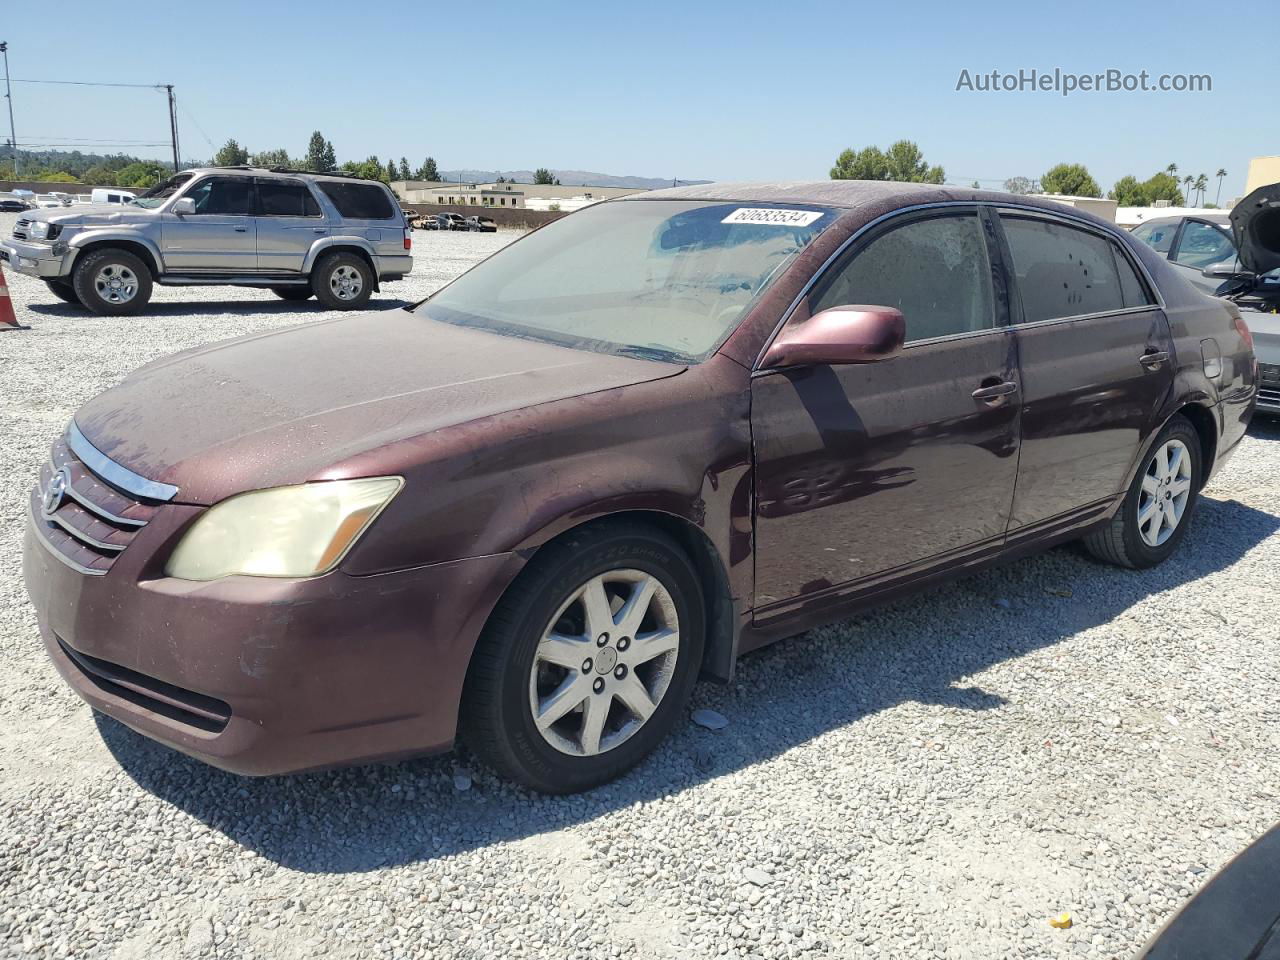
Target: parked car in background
1191,244
480,224
451,221
45,201
651,436
296,233
110,195
13,205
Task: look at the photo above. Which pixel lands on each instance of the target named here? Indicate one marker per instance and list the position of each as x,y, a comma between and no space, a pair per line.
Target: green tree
1220,174
1021,185
1187,181
1128,192
370,169
100,176
328,159
428,171
1172,170
271,158
543,176
1202,184
405,173
142,174
231,155
390,171
320,156
903,162
1161,186
1072,179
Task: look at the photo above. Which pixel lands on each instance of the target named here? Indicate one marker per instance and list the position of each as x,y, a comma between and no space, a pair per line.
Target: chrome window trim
57,554
996,206
114,473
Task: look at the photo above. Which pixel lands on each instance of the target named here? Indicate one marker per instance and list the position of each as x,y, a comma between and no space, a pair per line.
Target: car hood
283,407
1255,226
92,213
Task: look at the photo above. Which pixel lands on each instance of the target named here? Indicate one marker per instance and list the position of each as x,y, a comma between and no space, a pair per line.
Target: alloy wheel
1166,489
115,283
346,282
604,662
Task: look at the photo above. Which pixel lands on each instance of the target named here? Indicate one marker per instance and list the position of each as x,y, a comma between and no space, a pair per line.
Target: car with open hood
626,449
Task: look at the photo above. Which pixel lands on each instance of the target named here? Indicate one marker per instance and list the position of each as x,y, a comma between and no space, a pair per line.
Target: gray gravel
937,778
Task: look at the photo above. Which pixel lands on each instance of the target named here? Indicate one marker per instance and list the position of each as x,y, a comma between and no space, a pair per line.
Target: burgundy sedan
654,435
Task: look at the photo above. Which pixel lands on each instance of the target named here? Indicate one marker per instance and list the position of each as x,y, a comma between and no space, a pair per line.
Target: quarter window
1062,271
935,271
1202,244
282,198
222,196
1131,288
1158,236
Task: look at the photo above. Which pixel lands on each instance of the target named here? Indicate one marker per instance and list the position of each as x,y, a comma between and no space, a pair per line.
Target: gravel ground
937,778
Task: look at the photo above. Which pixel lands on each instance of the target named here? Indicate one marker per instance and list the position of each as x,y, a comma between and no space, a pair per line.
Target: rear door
1096,363
289,221
220,236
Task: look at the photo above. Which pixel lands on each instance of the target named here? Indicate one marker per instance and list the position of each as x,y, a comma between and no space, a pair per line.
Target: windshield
659,279
161,191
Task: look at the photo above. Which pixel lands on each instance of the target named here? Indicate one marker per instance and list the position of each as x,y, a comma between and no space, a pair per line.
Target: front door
220,237
289,221
1096,354
868,472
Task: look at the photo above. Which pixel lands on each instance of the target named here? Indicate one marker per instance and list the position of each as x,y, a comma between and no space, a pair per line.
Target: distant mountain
567,178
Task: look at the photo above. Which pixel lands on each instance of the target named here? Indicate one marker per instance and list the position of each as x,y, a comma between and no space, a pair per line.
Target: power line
93,83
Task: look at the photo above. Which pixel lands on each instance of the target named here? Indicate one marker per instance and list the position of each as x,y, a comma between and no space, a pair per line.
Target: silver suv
298,234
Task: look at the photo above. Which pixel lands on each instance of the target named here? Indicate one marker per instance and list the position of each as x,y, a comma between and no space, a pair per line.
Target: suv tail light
408,239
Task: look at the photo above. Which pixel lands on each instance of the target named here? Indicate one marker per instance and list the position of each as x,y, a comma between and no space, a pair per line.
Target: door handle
1153,358
319,230
996,392
242,229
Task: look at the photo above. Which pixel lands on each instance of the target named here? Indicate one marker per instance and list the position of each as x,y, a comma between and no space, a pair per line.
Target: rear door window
359,201
286,198
935,271
1061,271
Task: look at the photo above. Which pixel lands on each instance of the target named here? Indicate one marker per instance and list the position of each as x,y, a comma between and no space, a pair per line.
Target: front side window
935,271
660,279
1158,236
1202,244
162,191
1061,271
221,196
285,198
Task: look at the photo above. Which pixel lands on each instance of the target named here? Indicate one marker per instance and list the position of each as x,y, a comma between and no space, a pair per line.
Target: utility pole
8,95
173,122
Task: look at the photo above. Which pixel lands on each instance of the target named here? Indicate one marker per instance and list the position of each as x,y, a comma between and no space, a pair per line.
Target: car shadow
363,818
200,308
1264,428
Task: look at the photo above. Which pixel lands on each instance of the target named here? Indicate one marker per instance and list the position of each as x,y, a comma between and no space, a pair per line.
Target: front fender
95,235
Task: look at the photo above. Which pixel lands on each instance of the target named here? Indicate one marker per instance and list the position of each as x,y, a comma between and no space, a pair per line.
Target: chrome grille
93,521
1269,373
21,228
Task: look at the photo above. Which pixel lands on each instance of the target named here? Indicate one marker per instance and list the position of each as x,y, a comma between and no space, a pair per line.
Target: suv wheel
293,292
342,281
1157,509
112,282
588,661
63,290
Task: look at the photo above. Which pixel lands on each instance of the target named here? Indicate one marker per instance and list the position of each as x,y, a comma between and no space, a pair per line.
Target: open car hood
1255,226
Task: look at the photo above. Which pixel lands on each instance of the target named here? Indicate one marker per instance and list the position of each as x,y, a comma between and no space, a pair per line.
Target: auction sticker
778,218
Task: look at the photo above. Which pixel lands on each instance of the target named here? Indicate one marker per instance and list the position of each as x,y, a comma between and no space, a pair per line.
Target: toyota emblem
54,493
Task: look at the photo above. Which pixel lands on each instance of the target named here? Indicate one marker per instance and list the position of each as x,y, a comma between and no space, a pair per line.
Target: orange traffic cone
8,319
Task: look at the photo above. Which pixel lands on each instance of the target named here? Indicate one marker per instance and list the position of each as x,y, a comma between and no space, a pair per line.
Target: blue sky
712,90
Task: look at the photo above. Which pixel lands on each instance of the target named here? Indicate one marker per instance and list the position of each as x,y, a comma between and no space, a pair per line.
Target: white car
48,200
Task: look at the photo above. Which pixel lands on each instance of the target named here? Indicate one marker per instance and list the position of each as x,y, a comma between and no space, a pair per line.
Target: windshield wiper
652,353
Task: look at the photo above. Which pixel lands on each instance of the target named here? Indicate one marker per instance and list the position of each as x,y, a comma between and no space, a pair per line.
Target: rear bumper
393,267
261,676
35,259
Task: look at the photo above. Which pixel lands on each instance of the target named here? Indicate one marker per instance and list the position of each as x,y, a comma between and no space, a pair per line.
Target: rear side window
359,201
1158,236
282,198
935,271
1062,271
1131,288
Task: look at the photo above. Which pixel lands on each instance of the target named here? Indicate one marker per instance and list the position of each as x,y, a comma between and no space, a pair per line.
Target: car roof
1213,216
245,170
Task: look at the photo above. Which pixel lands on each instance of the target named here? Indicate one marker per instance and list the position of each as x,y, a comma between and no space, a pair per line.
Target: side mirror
1225,270
856,333
183,206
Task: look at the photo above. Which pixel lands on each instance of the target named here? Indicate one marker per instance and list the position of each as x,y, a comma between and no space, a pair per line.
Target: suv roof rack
306,173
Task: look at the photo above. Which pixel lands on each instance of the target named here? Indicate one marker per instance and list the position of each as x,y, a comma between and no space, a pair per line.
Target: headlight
300,531
44,230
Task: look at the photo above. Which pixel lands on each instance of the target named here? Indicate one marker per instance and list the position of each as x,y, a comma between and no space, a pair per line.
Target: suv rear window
359,201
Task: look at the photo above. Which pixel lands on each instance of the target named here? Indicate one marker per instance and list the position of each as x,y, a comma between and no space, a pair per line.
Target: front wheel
342,281
588,661
112,282
1156,511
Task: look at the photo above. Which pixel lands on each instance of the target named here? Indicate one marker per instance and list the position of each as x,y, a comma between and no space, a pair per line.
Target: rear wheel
63,290
1157,509
293,292
342,281
112,282
588,661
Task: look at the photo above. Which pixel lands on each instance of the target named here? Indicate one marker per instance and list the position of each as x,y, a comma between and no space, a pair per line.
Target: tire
1127,540
93,279
294,292
63,291
502,689
327,281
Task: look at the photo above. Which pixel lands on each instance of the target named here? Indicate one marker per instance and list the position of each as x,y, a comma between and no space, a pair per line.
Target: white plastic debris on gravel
936,778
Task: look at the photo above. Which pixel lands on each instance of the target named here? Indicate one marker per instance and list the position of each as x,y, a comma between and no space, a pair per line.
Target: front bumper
261,676
36,259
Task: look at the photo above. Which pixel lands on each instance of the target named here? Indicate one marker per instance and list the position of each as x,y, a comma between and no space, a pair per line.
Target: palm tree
1202,184
1172,170
1217,201
1187,181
